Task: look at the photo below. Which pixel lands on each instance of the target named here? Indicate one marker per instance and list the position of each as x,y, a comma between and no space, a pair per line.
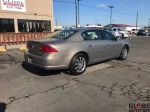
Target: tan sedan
74,49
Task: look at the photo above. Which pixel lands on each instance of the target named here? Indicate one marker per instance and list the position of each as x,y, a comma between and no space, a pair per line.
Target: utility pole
148,25
56,23
76,13
137,20
111,14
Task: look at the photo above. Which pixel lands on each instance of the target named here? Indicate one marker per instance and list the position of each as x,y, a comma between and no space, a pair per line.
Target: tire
124,53
78,64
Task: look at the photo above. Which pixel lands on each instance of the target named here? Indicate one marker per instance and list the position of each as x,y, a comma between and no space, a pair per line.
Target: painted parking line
23,48
96,67
2,50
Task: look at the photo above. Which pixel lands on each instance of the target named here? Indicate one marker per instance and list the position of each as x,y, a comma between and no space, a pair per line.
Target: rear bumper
42,62
49,67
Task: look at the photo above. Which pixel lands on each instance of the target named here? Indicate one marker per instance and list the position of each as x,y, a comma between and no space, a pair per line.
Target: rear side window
91,35
61,34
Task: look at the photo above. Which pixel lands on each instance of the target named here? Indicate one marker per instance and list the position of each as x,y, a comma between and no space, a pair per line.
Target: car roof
82,29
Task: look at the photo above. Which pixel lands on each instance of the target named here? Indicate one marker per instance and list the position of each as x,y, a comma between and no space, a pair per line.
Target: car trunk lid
33,46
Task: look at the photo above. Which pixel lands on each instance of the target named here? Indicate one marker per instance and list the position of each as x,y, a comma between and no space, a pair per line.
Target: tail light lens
46,48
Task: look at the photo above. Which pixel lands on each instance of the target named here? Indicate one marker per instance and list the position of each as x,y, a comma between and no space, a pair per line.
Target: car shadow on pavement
2,107
41,72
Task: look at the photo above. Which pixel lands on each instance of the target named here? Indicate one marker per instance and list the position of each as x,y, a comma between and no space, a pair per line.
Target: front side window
63,34
91,35
106,35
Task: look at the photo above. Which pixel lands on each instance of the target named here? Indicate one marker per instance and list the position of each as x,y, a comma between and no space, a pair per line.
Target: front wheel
124,53
78,64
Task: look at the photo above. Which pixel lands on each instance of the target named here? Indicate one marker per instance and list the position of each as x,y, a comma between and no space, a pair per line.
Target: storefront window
34,25
6,25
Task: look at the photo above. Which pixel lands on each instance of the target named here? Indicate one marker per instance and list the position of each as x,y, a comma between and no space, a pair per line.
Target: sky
98,11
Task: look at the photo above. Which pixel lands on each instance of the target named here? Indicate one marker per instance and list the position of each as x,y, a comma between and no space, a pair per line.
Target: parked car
115,32
75,49
121,33
124,33
141,33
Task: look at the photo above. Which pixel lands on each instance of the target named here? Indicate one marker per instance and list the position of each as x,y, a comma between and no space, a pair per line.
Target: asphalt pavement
24,88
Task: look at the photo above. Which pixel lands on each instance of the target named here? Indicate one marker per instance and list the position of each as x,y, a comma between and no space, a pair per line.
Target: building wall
130,28
58,27
127,28
35,10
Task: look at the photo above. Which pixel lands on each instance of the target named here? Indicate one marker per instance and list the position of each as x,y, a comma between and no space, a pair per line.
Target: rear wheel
78,64
124,53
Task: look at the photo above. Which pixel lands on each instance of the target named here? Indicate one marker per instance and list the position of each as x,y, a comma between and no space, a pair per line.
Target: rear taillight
46,48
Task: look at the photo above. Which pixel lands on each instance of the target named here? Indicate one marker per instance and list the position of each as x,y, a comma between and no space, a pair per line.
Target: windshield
63,34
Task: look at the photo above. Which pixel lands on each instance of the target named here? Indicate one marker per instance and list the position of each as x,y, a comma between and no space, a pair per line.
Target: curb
22,48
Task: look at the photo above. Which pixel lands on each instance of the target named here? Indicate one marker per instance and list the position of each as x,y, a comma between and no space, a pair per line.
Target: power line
101,9
93,7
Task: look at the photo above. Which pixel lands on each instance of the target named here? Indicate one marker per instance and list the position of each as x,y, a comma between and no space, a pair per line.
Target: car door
114,46
96,48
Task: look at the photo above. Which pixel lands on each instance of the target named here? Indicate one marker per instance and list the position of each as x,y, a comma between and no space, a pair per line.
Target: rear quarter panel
66,51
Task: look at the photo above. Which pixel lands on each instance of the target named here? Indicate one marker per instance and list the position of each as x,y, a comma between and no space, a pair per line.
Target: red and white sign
13,5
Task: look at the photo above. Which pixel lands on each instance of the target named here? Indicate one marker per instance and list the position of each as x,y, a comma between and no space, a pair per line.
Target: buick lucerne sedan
75,49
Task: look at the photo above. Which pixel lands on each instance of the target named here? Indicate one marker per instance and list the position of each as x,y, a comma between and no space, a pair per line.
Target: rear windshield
63,34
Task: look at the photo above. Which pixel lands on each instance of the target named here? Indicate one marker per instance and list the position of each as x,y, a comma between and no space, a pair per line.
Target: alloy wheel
80,64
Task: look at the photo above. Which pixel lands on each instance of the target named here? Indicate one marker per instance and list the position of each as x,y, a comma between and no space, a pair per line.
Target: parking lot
106,87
